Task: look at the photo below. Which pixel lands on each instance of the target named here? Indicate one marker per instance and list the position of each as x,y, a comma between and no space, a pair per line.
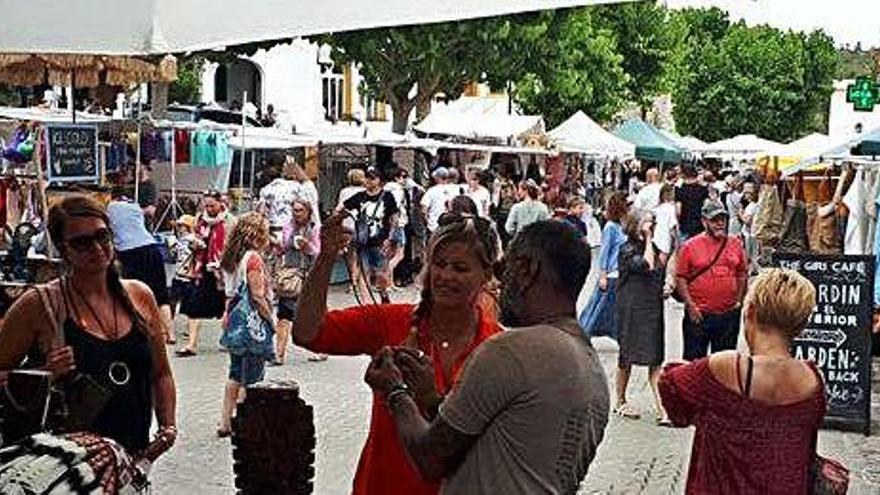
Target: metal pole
243,145
137,165
73,95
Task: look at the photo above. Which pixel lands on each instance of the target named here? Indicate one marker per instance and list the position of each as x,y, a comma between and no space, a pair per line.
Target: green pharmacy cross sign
863,94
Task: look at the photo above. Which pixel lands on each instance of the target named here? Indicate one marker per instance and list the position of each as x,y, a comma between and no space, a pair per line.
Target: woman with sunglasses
639,311
91,321
440,332
301,243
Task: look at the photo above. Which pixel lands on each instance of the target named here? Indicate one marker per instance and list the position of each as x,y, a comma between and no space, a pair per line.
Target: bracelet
397,391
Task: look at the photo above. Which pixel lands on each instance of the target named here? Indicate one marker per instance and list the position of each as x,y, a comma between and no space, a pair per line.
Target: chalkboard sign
72,152
838,335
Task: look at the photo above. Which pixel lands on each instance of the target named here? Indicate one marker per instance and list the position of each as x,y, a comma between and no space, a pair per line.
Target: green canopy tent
651,144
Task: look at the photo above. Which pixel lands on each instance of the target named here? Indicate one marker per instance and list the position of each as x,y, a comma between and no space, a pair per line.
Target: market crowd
489,383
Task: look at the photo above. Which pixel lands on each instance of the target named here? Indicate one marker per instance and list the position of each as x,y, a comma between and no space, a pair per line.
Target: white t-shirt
665,227
649,196
749,217
311,195
399,194
278,195
435,200
483,198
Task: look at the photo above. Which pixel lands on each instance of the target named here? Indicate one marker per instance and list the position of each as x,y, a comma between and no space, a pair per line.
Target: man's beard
509,302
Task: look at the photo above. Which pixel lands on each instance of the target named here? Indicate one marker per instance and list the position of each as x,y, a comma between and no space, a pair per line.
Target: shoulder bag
246,332
30,403
699,273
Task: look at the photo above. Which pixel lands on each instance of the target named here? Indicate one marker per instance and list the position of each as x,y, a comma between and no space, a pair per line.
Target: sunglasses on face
103,237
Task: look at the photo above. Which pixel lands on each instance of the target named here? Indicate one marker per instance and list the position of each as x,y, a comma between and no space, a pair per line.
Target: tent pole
73,95
137,165
244,99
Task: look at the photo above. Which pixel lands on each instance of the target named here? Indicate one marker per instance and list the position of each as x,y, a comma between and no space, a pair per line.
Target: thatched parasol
23,69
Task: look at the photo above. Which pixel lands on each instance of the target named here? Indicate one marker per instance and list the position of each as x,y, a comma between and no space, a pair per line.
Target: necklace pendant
444,345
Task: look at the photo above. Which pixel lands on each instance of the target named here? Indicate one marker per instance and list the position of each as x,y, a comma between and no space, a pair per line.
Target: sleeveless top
124,367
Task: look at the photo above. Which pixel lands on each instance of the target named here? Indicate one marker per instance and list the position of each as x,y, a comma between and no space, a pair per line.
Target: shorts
286,309
372,258
398,237
247,370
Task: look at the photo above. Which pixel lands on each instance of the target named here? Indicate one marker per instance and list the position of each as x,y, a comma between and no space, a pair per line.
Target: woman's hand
334,236
59,361
418,373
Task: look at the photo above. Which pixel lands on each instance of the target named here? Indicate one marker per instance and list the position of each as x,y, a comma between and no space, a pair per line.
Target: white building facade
843,118
301,82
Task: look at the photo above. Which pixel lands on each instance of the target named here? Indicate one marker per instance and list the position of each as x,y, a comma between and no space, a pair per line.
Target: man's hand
418,373
383,375
334,237
694,313
603,282
387,248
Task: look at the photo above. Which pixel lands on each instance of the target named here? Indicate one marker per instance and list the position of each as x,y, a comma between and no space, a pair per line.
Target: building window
220,84
332,92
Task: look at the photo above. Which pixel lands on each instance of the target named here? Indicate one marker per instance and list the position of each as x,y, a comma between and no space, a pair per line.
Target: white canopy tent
480,119
581,134
744,146
808,145
693,144
836,150
151,27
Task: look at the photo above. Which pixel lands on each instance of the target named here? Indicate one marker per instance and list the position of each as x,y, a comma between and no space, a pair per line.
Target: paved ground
636,456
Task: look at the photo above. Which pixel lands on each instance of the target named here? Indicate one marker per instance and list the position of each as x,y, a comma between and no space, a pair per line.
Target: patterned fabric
77,463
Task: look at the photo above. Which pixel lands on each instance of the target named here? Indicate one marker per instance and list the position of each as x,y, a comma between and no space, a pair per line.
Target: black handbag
68,405
24,405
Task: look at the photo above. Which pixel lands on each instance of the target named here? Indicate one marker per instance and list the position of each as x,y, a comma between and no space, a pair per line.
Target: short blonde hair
356,177
782,299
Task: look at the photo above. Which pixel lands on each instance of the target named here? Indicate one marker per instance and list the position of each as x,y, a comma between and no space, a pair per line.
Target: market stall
651,144
581,134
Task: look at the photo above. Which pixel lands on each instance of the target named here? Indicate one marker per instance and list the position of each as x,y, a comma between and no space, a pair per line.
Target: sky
847,21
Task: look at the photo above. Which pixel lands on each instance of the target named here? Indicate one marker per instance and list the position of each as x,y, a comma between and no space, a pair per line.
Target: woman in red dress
449,322
756,416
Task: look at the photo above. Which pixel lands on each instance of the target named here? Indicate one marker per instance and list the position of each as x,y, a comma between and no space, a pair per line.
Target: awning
651,144
865,145
581,134
479,118
744,146
149,27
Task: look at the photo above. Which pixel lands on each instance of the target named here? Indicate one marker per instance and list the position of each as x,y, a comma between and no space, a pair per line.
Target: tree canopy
743,79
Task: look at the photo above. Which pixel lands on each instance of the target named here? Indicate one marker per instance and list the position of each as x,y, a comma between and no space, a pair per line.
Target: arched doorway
230,80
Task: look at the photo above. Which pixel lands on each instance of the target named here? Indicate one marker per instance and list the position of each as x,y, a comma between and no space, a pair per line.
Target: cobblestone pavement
636,457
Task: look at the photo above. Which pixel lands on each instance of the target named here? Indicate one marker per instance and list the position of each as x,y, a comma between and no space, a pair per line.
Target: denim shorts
247,370
372,258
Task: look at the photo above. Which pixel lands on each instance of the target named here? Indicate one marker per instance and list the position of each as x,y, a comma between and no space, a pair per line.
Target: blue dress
599,317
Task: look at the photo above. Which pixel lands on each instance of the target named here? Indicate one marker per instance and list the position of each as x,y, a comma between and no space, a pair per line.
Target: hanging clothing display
151,146
873,188
210,149
167,145
794,228
857,220
181,145
767,223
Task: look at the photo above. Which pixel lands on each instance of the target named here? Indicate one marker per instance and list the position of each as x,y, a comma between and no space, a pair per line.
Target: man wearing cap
711,278
376,226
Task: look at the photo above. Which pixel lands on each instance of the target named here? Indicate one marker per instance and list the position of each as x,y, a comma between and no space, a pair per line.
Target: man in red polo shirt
711,278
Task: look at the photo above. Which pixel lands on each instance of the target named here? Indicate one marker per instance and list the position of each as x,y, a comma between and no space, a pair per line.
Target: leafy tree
646,44
187,89
408,66
753,80
578,68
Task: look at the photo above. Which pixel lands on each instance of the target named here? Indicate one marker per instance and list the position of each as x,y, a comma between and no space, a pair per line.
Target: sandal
223,433
185,352
625,410
317,358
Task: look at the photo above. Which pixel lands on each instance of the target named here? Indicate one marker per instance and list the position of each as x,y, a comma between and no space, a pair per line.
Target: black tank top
124,367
